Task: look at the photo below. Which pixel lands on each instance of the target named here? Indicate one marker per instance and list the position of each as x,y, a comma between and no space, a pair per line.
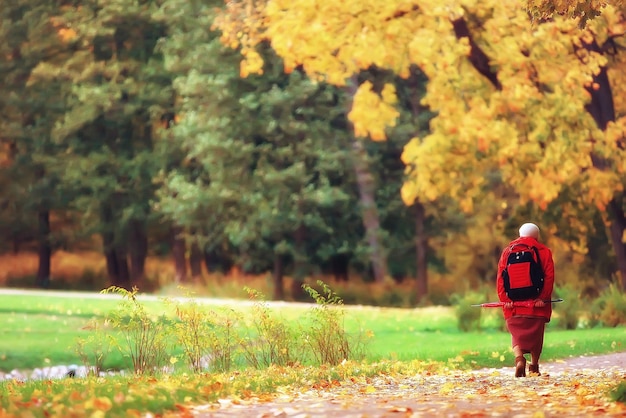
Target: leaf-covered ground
578,387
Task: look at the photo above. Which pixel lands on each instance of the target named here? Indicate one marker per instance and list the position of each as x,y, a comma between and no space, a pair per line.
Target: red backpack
523,275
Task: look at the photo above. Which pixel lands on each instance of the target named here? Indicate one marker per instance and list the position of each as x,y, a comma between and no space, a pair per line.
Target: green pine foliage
270,161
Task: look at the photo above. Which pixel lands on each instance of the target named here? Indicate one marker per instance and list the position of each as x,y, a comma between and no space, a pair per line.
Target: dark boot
520,366
534,369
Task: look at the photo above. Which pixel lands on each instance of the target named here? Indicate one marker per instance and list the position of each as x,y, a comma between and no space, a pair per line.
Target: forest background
399,143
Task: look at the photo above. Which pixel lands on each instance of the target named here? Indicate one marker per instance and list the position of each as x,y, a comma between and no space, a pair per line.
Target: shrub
192,331
327,337
144,337
208,337
94,349
224,340
272,342
569,311
468,316
610,307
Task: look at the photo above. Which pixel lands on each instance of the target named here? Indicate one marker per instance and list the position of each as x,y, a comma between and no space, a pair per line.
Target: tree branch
477,56
401,13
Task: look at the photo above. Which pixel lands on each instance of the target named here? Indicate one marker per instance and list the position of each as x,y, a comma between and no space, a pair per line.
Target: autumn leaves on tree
529,92
131,121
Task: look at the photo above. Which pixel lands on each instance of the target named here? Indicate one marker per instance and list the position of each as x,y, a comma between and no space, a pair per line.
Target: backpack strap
519,244
529,247
538,258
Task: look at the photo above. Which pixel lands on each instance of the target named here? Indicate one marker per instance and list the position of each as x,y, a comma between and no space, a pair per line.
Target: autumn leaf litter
563,389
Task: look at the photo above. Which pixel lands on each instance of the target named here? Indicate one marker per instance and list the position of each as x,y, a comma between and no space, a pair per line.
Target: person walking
526,310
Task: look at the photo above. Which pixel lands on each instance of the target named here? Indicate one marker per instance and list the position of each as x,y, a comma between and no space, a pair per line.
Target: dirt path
575,387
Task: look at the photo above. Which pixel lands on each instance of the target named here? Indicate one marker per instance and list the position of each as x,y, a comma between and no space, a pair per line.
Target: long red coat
545,254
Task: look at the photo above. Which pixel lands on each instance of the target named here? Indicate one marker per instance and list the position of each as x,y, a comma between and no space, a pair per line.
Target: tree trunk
178,252
210,262
217,261
421,248
123,272
277,276
340,267
111,263
195,261
300,264
371,222
617,227
366,186
117,266
138,252
115,253
45,249
602,109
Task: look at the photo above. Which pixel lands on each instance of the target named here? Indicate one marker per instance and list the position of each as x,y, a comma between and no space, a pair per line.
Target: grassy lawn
40,330
432,334
37,330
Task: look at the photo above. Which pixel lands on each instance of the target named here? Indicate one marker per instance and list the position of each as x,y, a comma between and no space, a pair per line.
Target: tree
511,97
269,155
267,176
369,208
196,196
116,92
30,108
413,119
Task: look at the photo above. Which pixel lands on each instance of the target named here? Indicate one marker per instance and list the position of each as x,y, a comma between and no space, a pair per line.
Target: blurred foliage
130,125
609,309
570,310
468,316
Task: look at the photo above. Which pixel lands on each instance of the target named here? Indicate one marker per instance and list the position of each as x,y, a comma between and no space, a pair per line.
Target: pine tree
31,38
264,162
118,93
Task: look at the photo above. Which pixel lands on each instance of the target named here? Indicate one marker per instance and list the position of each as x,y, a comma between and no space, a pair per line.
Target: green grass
432,334
40,331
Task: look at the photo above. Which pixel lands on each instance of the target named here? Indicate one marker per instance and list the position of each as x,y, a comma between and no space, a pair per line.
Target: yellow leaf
251,64
400,409
372,113
100,404
446,388
119,397
67,34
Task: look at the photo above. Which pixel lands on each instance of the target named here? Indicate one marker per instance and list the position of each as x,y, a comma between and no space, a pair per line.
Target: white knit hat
529,230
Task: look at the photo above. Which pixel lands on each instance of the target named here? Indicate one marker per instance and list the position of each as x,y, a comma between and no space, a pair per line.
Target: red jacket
545,254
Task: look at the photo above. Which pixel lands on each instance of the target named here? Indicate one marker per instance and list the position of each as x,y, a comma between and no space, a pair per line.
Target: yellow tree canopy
510,95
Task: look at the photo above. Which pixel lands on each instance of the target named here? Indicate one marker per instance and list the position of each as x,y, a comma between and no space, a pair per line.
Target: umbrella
525,303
